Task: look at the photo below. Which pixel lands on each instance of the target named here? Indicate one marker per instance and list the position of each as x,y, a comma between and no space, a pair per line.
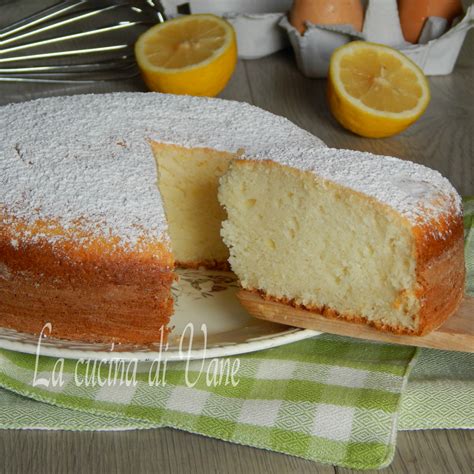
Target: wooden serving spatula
456,334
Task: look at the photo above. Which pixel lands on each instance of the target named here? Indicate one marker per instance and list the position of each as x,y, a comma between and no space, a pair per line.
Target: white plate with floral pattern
208,322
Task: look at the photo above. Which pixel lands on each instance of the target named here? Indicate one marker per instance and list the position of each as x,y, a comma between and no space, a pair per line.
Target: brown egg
413,14
326,12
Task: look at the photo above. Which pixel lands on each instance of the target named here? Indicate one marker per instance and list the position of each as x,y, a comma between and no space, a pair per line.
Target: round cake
102,195
84,242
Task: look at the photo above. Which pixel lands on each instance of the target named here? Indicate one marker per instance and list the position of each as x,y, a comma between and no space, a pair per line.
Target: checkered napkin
329,399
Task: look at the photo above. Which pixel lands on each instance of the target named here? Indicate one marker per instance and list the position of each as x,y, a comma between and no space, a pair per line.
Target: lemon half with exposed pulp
374,90
193,54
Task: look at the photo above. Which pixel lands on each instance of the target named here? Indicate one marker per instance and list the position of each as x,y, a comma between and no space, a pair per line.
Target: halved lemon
374,90
193,54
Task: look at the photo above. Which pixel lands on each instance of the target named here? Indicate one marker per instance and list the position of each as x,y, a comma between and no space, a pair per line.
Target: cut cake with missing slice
101,195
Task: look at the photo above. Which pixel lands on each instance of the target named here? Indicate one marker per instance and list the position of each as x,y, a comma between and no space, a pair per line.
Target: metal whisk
20,60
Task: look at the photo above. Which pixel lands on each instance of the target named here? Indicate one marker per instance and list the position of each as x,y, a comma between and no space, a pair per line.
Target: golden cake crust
88,288
440,270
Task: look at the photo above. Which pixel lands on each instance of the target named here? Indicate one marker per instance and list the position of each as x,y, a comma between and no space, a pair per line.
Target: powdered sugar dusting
86,161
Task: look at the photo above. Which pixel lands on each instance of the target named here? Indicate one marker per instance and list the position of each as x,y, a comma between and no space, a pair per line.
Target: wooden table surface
441,139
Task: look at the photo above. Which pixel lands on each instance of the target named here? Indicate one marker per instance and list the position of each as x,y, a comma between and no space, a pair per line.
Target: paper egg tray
313,49
262,28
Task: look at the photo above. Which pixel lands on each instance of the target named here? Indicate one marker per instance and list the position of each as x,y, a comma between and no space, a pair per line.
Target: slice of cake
347,234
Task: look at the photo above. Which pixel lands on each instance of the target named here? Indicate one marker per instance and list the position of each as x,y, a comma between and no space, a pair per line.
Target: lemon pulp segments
374,90
195,54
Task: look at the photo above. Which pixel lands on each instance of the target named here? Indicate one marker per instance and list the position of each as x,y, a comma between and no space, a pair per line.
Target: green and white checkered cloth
329,399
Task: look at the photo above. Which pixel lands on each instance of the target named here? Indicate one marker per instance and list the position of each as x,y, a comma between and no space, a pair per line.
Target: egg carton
262,29
256,23
436,53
